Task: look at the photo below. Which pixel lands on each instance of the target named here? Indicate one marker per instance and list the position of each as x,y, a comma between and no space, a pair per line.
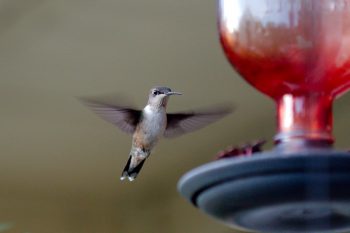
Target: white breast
154,122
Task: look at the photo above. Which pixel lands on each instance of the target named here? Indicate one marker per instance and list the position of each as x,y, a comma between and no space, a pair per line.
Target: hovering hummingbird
150,124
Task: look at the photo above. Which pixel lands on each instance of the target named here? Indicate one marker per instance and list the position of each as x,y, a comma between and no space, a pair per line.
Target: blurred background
60,164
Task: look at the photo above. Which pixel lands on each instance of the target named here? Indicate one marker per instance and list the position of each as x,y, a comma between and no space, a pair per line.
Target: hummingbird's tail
130,171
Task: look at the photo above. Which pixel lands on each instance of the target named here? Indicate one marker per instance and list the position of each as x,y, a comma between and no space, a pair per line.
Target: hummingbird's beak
173,93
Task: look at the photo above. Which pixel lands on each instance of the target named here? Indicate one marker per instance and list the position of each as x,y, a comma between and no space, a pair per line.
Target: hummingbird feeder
298,53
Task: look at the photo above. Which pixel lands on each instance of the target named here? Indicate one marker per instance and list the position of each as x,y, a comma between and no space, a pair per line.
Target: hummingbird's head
158,96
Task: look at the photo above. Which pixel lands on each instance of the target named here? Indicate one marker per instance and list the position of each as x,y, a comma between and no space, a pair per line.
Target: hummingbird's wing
124,118
181,123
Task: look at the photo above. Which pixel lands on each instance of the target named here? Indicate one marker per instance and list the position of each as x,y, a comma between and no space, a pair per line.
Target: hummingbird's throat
157,103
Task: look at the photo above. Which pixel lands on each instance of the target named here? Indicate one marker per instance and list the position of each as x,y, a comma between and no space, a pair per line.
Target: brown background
60,164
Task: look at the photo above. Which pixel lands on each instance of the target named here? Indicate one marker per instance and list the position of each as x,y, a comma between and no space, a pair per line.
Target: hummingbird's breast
150,128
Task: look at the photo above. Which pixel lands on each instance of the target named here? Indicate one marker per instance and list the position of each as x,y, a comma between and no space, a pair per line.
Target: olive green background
60,163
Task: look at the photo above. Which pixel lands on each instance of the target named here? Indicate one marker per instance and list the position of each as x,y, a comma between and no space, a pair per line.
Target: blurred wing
124,118
181,123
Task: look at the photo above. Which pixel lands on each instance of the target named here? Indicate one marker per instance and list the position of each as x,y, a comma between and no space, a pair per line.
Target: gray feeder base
307,192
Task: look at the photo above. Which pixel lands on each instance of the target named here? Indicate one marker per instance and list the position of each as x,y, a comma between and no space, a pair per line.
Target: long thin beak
173,93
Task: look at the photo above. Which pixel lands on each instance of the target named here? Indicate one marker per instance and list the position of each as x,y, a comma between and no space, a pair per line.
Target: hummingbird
151,123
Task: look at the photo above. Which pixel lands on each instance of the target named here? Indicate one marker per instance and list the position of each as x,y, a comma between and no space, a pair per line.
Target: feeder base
308,192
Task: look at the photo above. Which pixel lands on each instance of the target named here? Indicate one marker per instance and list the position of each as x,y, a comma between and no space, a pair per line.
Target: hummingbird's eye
156,92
